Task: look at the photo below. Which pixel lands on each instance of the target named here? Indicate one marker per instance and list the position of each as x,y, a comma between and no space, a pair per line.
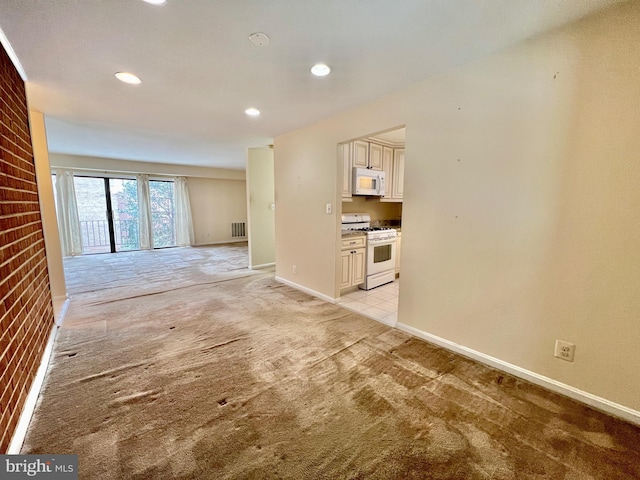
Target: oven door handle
387,241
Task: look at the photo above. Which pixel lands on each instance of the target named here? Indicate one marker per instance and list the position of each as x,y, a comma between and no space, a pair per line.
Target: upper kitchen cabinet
359,154
383,152
366,155
375,156
344,154
397,191
393,162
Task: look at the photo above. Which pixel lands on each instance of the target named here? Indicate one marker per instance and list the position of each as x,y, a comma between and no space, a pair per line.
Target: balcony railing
95,234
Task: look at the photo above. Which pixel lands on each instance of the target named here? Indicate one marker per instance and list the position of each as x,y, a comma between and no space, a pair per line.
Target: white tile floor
380,303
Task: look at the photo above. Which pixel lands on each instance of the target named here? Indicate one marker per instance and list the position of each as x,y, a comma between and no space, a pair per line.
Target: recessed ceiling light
155,2
252,112
127,77
260,39
320,70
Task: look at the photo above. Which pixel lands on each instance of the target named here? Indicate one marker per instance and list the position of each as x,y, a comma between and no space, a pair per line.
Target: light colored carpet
182,363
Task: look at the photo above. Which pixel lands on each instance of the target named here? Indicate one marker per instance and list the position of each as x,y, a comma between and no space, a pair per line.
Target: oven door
381,256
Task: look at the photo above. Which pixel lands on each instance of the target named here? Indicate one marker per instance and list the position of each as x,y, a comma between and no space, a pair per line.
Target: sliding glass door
163,213
124,208
109,217
95,228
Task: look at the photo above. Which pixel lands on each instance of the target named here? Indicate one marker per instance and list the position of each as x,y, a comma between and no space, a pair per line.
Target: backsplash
390,214
396,223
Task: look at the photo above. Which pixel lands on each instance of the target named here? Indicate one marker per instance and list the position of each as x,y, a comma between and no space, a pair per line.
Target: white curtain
145,228
67,214
184,222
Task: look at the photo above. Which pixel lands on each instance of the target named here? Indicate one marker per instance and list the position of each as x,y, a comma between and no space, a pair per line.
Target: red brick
26,312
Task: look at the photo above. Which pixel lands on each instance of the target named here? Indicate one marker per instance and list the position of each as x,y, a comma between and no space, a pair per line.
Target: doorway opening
383,154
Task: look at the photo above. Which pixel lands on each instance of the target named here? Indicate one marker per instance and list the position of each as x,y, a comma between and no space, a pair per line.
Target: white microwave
367,182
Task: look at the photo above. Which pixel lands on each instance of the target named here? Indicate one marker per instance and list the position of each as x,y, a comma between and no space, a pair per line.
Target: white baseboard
221,242
34,392
594,401
322,296
263,265
60,307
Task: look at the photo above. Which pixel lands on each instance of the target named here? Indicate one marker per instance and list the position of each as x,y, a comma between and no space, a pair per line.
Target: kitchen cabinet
360,154
344,153
397,191
387,168
366,155
398,242
353,255
393,166
375,156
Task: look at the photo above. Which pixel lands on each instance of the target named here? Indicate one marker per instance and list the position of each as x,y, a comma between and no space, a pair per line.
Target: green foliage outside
162,214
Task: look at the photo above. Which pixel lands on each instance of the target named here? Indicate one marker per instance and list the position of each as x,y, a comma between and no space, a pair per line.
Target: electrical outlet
295,269
564,350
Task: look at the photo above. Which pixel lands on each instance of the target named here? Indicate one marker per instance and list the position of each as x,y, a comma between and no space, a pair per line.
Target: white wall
260,199
520,213
217,196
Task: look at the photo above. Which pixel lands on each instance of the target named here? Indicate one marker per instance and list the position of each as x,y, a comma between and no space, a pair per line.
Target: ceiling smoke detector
260,39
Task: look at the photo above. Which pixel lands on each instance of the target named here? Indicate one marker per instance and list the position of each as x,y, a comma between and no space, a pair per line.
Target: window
108,212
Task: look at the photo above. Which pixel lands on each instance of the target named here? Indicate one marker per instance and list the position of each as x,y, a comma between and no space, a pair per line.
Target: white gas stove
380,267
361,222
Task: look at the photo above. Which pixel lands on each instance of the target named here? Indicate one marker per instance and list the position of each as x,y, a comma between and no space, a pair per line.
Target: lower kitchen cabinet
354,254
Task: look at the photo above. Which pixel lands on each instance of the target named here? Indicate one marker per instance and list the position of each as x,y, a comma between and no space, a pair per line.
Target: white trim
63,310
594,401
322,296
263,265
12,55
34,392
220,242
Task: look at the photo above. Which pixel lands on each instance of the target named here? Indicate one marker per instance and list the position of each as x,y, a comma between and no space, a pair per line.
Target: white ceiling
393,136
200,71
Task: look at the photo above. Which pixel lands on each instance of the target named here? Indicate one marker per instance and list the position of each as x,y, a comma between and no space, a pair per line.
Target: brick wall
26,311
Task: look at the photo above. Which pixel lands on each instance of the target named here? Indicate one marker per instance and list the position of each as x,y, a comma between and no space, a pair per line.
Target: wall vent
238,229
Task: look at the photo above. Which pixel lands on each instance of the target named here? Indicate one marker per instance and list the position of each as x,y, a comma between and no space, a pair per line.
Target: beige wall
48,213
305,172
520,214
260,200
98,165
215,204
217,195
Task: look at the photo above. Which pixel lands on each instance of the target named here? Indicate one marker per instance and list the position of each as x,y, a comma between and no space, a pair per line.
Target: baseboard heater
238,229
